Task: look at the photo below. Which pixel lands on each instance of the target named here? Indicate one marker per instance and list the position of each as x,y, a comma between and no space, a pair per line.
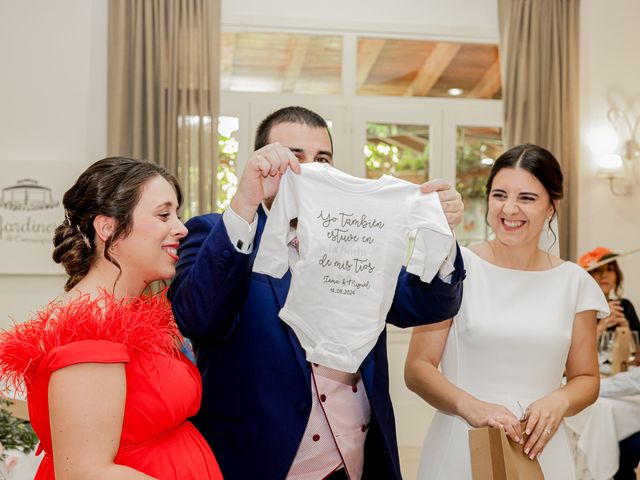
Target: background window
476,150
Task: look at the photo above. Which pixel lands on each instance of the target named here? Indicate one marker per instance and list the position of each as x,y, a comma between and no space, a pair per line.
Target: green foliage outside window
384,157
227,181
471,172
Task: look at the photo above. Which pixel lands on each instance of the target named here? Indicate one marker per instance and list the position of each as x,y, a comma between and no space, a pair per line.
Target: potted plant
15,435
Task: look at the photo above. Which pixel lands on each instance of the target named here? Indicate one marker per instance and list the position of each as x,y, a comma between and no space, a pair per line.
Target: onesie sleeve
273,253
434,238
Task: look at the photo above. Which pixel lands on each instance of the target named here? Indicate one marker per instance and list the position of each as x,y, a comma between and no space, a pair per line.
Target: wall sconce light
617,160
611,167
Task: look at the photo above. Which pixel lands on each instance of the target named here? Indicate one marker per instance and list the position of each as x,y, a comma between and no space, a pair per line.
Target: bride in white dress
526,317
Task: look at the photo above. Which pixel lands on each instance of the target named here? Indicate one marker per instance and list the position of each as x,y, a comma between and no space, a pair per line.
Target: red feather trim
145,324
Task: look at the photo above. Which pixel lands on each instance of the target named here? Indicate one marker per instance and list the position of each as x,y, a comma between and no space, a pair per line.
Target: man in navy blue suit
265,410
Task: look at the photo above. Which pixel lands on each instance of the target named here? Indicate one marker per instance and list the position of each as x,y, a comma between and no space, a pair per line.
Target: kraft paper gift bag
621,350
495,457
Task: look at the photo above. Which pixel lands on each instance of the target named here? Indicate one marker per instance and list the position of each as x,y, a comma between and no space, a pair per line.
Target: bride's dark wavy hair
111,187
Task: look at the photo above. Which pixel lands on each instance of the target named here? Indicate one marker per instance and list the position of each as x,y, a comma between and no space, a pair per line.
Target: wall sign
30,210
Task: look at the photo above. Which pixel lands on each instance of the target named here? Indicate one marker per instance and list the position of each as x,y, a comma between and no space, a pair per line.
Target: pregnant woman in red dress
109,391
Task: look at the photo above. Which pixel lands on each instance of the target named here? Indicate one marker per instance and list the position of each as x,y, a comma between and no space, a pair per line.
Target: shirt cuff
241,233
446,270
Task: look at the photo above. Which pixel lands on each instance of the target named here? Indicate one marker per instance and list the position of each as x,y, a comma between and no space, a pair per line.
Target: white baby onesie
353,235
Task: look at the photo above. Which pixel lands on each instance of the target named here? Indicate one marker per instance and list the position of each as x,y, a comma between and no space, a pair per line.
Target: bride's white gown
509,345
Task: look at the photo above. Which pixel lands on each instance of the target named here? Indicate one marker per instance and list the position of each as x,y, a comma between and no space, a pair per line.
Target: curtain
163,98
539,55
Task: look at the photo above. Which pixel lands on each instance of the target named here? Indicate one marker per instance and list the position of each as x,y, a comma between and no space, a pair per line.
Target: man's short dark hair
299,115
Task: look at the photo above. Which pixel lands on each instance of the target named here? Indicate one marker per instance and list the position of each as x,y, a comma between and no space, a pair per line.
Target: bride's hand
544,417
485,414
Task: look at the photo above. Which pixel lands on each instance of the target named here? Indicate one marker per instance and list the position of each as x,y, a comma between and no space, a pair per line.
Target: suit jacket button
301,406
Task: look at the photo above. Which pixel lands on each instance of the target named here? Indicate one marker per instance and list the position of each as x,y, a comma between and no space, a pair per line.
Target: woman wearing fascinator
108,390
526,317
603,266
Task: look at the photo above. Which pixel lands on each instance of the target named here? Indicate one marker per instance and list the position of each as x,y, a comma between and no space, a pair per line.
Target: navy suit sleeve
418,303
211,282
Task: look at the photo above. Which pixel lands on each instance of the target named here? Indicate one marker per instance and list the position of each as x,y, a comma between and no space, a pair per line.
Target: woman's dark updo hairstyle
540,163
111,187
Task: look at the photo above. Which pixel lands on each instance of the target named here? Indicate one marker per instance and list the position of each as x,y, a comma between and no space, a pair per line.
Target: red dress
163,386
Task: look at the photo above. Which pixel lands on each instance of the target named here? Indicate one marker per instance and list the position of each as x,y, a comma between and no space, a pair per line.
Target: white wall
609,76
52,105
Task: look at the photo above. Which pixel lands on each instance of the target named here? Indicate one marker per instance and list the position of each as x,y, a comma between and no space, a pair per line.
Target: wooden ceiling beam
407,143
295,62
432,69
402,143
489,84
369,50
419,142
